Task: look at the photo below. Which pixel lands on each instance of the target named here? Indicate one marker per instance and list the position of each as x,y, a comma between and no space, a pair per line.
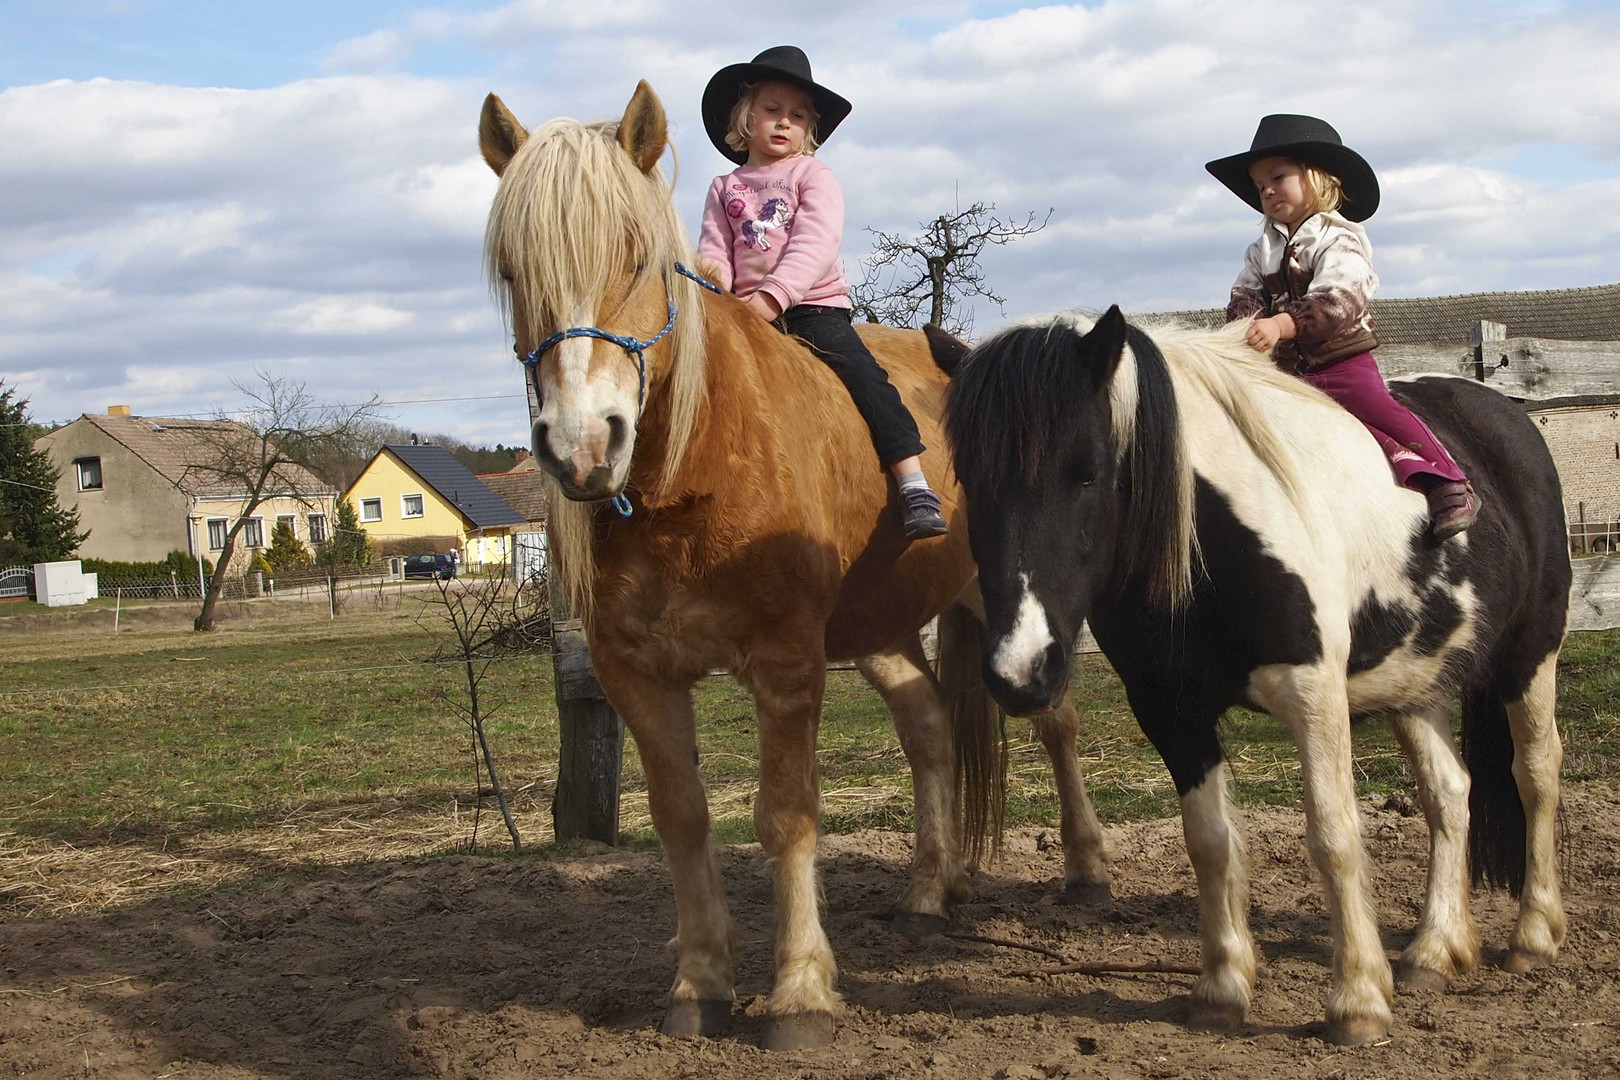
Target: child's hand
1266,332
762,305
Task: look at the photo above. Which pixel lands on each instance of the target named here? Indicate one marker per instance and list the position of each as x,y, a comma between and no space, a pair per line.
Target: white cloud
157,241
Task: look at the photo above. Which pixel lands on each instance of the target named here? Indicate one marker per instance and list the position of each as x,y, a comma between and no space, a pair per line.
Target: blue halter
633,346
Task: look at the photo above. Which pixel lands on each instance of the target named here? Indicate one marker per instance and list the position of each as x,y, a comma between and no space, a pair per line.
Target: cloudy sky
190,190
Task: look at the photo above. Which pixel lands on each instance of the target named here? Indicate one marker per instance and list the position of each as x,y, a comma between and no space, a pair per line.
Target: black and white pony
1236,538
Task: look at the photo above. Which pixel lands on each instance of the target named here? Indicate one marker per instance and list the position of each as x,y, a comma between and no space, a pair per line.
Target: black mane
1052,378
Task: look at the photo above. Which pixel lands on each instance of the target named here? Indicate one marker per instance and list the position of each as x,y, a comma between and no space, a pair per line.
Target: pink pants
1356,383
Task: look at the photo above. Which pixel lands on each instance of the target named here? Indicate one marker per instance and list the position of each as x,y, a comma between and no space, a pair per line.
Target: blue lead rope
634,346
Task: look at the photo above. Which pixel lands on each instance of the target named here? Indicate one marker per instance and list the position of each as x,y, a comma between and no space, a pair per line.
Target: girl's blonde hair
740,128
1323,187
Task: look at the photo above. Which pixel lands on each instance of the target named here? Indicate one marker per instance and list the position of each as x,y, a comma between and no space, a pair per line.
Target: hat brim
726,87
1356,177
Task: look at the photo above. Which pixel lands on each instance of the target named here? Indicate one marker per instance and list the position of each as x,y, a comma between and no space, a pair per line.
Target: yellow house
409,492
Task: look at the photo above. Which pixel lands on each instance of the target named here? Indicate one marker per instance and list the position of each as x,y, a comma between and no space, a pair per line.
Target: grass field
335,733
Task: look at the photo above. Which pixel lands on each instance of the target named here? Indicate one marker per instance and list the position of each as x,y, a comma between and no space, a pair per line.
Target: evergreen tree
33,528
286,551
349,546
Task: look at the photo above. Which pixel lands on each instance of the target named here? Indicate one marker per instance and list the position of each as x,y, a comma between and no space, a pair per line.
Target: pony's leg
908,687
1538,756
1220,1000
1085,856
1314,704
659,716
1191,750
787,692
1447,940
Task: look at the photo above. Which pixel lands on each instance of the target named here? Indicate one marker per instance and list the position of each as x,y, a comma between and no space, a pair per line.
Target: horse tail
1496,825
977,732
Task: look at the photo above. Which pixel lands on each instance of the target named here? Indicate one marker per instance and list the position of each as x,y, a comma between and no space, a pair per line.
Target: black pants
830,336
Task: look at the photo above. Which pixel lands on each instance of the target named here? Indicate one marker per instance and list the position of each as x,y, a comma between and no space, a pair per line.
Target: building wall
137,516
388,480
1585,445
267,511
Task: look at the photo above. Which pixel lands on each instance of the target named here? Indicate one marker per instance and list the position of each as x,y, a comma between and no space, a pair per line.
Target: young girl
1308,281
773,227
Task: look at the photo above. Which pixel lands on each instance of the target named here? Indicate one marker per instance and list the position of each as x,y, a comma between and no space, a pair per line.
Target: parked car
430,566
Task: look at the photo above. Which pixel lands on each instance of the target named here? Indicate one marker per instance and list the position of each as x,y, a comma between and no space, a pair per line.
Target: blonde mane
1220,365
571,215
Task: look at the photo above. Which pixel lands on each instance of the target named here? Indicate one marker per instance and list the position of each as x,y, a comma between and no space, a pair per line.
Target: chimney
118,410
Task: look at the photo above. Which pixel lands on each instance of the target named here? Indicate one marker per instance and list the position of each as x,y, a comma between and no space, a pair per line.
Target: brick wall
1584,440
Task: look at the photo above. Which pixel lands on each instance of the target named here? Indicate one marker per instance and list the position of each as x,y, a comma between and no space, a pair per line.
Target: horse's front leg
659,716
787,687
1313,702
1085,856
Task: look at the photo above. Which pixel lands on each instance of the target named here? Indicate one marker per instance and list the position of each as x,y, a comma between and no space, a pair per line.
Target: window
410,506
89,473
370,509
253,532
317,528
216,533
291,521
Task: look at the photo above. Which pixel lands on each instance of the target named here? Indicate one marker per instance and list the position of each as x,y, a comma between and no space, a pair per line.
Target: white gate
16,581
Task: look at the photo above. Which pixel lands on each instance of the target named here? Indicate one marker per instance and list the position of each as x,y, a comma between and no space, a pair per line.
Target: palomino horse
760,537
1235,538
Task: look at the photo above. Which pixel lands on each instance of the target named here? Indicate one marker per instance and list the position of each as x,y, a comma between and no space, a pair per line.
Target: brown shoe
1453,506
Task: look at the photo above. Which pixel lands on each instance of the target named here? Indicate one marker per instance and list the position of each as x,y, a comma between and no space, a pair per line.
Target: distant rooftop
1585,314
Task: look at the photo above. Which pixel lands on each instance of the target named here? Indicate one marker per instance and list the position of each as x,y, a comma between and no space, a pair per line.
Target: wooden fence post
590,736
1486,338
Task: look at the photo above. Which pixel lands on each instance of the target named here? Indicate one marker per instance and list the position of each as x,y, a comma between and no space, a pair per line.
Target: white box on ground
58,584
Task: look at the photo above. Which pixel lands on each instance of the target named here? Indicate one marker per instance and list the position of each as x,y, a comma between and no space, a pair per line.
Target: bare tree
486,621
262,453
937,269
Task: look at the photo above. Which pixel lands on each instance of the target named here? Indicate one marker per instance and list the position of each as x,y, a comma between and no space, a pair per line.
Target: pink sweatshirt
775,229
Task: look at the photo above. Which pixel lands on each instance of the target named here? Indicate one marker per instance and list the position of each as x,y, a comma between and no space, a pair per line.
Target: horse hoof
707,1019
1421,979
799,1031
1207,1016
1519,962
1357,1032
1086,894
916,926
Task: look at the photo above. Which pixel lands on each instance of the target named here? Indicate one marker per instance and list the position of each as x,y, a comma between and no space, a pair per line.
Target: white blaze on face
1015,657
576,402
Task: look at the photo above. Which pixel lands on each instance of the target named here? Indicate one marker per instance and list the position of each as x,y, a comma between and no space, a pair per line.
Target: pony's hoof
1209,1016
1421,979
1086,894
799,1031
1357,1031
1520,962
706,1019
916,925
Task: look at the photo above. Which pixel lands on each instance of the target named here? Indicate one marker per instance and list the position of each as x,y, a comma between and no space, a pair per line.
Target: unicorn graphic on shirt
773,215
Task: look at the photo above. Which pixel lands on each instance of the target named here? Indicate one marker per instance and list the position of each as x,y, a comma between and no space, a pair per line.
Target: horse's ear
644,132
1106,343
499,134
948,349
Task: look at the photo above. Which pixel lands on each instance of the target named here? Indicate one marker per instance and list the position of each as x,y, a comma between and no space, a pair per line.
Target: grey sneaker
920,512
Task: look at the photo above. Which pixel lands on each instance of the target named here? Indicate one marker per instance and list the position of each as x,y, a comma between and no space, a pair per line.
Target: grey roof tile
456,483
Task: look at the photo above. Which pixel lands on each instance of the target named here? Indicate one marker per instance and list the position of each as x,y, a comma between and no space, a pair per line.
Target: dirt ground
516,967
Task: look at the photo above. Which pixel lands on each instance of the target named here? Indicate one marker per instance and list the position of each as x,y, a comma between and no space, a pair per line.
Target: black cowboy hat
783,63
1312,141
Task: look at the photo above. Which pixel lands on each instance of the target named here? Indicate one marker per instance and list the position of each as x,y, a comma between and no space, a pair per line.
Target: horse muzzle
589,465
1041,687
